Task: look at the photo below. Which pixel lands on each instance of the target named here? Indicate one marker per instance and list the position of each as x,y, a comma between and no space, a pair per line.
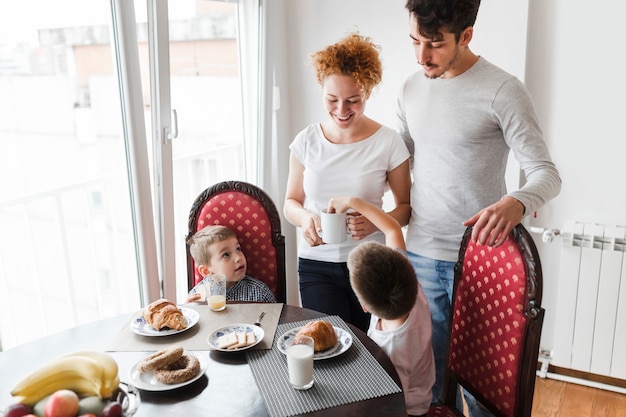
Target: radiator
590,334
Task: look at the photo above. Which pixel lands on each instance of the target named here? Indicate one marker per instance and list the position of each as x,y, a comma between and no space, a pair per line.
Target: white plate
147,381
213,338
139,325
344,341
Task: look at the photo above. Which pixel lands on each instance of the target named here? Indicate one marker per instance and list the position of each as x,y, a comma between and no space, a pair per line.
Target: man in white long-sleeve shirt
460,116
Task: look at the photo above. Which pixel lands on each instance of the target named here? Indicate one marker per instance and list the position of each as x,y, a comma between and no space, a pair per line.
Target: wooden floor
561,399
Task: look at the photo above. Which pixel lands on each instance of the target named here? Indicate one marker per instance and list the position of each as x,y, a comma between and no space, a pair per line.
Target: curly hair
383,279
200,243
354,55
434,15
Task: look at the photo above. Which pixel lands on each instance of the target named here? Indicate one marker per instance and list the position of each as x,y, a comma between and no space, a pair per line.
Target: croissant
164,313
322,332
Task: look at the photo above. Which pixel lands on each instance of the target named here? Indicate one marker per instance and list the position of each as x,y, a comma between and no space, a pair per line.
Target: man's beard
450,64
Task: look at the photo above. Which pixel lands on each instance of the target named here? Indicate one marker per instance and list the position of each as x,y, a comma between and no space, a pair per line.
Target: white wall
575,57
570,54
314,24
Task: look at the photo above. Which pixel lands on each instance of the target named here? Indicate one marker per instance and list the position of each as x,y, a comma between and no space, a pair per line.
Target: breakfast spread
170,365
163,313
322,332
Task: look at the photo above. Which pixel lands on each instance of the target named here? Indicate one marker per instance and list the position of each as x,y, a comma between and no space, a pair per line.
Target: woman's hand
310,230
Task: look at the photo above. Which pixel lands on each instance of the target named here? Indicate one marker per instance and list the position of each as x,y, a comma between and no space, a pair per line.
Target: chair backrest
496,324
251,213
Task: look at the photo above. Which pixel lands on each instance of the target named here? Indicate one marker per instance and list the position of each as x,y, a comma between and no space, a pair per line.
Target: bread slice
241,341
228,340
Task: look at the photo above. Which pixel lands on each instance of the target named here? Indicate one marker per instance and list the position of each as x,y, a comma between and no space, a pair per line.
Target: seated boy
386,285
216,250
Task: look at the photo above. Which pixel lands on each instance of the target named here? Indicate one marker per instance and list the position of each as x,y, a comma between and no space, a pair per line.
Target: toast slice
228,340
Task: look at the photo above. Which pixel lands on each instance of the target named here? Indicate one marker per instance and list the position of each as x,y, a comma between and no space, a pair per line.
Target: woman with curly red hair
346,154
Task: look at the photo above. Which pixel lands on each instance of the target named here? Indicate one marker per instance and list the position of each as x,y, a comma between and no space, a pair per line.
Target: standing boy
385,284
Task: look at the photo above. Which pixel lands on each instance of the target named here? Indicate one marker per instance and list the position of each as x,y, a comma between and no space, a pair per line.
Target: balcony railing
67,257
67,254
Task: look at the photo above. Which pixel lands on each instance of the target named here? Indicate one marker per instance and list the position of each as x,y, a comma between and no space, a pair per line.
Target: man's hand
493,224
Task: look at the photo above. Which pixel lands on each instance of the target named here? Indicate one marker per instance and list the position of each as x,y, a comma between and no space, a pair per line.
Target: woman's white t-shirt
336,170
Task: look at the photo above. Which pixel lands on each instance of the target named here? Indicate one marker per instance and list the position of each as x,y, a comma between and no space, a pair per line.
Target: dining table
357,380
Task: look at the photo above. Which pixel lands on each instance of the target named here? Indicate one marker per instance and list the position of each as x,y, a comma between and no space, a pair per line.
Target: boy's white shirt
410,349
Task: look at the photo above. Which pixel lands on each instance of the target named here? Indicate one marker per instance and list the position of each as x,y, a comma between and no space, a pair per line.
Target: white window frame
125,41
156,239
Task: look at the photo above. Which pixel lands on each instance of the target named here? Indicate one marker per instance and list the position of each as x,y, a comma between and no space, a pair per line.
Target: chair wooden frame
278,240
534,314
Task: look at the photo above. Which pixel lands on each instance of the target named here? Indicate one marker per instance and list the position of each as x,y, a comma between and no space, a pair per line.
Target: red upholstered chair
495,326
252,214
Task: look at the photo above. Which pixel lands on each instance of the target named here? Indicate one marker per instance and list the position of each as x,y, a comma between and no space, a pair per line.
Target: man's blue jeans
437,278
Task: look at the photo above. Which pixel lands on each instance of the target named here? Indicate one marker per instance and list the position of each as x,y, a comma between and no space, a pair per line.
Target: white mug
334,227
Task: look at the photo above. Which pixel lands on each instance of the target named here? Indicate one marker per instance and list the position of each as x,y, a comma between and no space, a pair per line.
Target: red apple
17,410
62,403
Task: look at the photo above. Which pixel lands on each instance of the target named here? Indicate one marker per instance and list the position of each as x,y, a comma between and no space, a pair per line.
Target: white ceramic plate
213,338
344,341
147,382
139,325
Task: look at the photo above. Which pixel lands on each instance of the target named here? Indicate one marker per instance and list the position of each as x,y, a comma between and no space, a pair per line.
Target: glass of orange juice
215,287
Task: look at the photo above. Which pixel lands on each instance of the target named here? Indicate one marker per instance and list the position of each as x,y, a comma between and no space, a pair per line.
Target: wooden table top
228,387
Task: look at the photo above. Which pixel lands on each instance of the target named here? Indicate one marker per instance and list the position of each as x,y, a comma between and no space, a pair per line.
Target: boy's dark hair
453,16
383,279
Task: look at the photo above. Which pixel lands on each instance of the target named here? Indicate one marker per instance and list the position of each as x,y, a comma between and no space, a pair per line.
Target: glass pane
205,86
67,247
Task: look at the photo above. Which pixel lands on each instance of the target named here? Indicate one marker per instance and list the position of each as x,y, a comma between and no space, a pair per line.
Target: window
71,242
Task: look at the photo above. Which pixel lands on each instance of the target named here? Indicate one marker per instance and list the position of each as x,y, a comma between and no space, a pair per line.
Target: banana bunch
87,373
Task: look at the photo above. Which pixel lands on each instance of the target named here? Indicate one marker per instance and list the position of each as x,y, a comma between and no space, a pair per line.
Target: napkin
195,338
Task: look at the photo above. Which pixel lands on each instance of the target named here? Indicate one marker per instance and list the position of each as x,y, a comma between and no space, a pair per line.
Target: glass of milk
300,361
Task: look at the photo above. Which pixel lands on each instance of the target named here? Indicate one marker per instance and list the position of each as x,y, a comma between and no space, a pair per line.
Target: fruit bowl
83,382
128,396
